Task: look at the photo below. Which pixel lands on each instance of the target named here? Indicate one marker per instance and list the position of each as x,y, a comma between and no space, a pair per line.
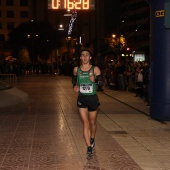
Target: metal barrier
10,79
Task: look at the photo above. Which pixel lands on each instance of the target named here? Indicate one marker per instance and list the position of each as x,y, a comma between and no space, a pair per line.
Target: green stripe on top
87,87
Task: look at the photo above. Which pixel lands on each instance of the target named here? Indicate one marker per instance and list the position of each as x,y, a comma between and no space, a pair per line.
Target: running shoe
92,142
89,151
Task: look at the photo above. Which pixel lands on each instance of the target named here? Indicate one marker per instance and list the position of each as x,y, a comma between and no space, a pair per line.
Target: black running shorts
91,102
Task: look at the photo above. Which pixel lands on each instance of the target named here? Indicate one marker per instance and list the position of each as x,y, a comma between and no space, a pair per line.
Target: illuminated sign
71,4
160,13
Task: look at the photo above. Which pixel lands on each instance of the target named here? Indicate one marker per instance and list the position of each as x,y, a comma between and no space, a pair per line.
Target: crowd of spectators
8,67
131,76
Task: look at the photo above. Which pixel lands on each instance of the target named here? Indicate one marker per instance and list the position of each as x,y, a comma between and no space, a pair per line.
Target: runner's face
85,57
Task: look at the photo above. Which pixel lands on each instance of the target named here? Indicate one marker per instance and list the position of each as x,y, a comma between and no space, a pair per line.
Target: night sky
113,15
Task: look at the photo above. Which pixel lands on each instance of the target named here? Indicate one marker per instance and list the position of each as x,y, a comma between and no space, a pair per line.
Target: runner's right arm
74,80
74,77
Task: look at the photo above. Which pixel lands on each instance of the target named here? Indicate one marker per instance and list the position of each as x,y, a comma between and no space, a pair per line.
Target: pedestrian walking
85,79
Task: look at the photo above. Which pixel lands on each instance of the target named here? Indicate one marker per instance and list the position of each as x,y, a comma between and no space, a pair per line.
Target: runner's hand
92,78
76,88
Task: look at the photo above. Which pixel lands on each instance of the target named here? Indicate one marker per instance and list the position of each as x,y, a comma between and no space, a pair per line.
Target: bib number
86,88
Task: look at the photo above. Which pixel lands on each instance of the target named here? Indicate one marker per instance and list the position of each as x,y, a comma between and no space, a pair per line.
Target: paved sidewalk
146,140
129,99
44,132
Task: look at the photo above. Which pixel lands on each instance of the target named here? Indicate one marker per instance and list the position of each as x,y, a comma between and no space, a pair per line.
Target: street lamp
113,36
32,38
61,27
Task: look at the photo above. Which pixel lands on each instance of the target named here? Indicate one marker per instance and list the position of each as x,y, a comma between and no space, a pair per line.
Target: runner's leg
92,121
86,125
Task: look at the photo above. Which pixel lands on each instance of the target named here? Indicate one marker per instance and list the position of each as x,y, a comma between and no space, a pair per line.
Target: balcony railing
8,79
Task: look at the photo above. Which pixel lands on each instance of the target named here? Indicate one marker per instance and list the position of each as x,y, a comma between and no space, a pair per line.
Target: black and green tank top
86,86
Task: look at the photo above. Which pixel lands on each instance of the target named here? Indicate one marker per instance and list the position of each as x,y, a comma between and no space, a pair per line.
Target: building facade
135,25
88,25
12,14
89,28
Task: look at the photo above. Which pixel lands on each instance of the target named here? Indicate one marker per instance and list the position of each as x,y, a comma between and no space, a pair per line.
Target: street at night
84,85
45,131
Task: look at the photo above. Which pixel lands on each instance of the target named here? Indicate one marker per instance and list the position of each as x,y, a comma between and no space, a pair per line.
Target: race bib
86,88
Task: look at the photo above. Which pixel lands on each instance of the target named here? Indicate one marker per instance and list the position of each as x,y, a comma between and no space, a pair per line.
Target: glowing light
72,4
86,5
80,40
55,4
28,36
113,36
61,27
73,18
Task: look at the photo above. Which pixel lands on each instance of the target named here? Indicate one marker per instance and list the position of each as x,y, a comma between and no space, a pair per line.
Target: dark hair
86,49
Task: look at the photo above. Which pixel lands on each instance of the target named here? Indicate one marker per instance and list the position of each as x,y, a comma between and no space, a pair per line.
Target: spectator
139,81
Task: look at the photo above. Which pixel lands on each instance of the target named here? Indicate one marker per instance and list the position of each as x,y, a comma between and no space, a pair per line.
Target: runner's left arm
99,77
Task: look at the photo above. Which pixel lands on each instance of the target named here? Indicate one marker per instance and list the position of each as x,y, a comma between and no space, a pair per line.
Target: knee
92,123
86,124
